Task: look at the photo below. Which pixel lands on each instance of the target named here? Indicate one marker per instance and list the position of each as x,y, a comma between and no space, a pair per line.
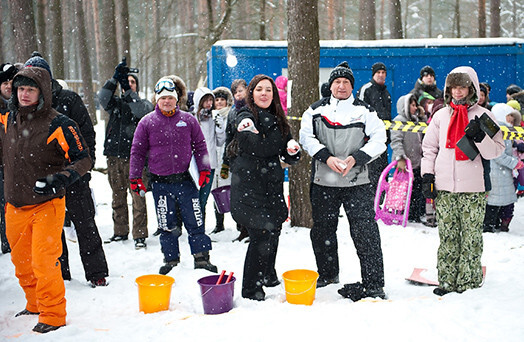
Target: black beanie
36,60
21,81
7,72
427,70
376,67
136,81
342,70
513,89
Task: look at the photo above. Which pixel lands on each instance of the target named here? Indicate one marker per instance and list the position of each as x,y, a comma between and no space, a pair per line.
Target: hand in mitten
247,125
224,171
292,147
428,186
473,130
138,187
204,178
51,184
120,75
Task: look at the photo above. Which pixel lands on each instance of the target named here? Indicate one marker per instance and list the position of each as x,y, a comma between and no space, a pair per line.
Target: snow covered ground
412,313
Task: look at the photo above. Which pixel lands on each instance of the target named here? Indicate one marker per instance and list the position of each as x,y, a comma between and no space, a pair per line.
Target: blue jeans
182,197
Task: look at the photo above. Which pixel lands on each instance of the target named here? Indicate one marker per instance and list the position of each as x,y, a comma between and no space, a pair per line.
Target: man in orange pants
42,152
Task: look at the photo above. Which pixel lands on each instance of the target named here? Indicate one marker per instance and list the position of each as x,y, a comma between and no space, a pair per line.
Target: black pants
259,265
81,209
417,207
358,203
3,237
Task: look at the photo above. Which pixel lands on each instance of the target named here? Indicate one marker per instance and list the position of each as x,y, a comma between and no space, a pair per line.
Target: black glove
428,186
473,130
120,75
51,184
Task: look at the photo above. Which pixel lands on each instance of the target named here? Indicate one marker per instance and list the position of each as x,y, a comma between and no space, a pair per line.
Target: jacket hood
227,92
465,76
501,110
281,82
403,107
42,79
199,94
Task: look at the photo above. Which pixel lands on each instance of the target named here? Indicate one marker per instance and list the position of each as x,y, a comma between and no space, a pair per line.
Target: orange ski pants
34,233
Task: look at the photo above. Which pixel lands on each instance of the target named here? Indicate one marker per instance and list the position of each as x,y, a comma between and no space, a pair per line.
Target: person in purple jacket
168,137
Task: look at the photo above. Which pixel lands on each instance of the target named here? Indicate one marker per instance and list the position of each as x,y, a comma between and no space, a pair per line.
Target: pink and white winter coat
458,175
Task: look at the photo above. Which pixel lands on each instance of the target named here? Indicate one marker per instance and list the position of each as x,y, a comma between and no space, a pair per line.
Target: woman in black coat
257,183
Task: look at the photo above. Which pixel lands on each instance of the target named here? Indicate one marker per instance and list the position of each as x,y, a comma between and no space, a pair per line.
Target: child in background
281,83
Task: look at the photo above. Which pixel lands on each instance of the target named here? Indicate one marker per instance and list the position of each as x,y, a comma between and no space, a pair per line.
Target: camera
127,69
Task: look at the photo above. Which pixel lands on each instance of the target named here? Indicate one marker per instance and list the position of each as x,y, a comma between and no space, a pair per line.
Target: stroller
397,195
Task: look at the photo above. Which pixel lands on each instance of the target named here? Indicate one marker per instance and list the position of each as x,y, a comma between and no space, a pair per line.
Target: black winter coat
124,114
378,97
257,191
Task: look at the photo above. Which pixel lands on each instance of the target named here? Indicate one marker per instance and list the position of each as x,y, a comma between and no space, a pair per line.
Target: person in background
168,137
257,183
511,90
460,196
125,112
43,152
213,128
79,201
342,135
426,83
324,90
376,94
484,96
239,90
7,72
281,83
223,104
502,197
408,145
426,101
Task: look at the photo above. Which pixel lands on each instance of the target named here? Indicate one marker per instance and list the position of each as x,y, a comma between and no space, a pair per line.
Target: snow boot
504,225
440,292
140,243
116,238
202,261
321,281
168,266
353,291
220,223
45,328
26,312
243,234
99,282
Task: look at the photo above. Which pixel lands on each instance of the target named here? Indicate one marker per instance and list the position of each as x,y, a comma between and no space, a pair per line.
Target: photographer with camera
125,112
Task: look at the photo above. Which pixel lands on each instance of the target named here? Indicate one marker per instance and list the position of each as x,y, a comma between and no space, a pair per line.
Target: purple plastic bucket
221,196
216,299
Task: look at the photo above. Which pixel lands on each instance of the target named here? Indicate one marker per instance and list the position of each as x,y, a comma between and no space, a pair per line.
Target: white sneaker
70,233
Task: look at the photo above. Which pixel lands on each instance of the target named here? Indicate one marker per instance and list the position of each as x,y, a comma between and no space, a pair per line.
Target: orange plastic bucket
300,286
154,292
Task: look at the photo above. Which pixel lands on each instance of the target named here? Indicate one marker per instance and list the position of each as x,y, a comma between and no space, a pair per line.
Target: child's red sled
397,195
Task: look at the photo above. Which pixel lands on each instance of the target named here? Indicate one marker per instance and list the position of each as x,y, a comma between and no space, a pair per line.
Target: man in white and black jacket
343,135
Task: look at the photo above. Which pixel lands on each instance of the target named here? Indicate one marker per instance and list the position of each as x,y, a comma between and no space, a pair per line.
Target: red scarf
457,124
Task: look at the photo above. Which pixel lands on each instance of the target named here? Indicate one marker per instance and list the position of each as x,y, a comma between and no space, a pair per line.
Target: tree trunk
41,27
57,52
23,20
367,17
331,18
93,10
395,19
85,67
482,19
430,18
457,18
125,44
262,22
303,61
109,57
495,18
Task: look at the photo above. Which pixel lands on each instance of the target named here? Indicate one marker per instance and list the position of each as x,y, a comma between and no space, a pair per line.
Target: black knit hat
376,67
7,72
136,81
342,70
512,89
427,70
36,60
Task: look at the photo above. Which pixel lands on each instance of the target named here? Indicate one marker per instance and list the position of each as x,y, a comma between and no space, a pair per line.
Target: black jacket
69,103
124,114
378,97
257,193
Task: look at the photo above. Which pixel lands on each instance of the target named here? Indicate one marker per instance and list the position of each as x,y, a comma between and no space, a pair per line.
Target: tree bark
23,20
495,18
262,22
457,18
482,19
303,61
41,26
109,57
367,17
57,52
395,19
85,61
125,43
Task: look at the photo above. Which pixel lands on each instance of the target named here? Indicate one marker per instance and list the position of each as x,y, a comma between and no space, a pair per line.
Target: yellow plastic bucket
154,292
300,286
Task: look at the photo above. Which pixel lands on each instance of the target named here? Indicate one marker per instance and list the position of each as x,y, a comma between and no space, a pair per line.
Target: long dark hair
274,108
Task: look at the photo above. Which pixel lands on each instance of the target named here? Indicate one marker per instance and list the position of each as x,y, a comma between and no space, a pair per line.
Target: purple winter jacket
168,142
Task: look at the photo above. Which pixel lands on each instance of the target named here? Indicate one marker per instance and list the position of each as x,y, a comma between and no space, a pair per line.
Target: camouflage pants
460,217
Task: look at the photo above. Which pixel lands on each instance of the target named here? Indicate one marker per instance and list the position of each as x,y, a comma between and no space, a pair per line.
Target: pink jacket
451,174
281,83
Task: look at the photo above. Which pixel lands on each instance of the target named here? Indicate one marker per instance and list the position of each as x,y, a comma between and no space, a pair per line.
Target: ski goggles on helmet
164,84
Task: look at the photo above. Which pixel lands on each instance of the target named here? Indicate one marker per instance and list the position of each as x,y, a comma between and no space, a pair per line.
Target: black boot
202,261
168,266
243,234
220,223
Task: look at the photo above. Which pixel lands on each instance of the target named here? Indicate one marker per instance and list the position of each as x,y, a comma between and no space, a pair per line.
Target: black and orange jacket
37,141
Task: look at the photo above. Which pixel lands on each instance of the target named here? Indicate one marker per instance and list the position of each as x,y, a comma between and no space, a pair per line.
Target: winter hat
199,95
136,81
342,70
376,67
281,82
425,96
165,87
483,88
220,94
513,89
427,70
7,72
501,110
514,104
36,60
22,81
